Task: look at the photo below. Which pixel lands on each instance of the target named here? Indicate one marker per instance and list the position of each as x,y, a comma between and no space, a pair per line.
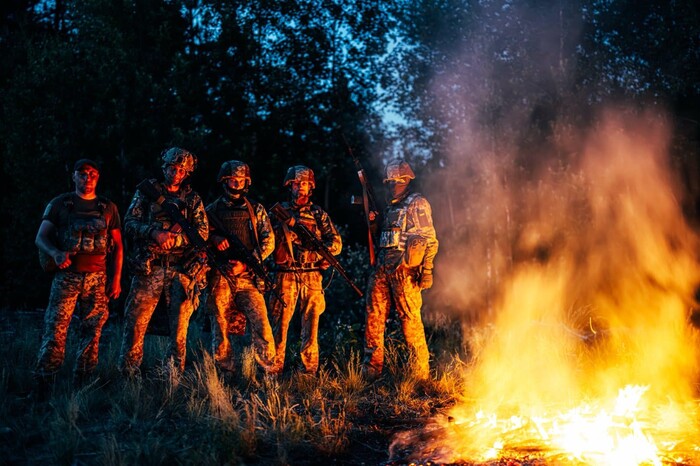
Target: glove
426,279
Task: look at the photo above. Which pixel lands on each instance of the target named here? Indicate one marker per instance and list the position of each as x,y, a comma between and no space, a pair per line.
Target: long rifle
238,251
307,237
368,201
200,245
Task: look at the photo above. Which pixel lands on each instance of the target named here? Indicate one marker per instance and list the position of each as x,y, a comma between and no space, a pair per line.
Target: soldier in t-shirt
78,230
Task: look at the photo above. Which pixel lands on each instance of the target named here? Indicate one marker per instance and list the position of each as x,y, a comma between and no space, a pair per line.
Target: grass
202,417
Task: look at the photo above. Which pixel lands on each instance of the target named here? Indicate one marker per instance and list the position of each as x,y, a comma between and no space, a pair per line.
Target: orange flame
589,357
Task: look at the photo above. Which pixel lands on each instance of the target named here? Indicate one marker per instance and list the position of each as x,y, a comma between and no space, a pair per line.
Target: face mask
396,189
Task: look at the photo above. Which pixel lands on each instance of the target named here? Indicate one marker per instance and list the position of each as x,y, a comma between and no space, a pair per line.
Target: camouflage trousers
305,288
245,298
398,286
181,295
87,291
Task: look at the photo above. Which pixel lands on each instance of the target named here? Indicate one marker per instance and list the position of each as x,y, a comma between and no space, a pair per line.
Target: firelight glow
589,356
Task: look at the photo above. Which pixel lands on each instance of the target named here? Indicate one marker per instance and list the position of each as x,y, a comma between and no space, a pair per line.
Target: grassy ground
335,417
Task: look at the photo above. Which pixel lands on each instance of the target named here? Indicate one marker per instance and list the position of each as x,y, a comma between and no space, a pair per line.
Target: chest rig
238,220
395,224
83,232
302,254
159,216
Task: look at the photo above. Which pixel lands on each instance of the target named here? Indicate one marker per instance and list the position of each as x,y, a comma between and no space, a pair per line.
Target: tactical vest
393,233
236,220
158,216
310,217
84,232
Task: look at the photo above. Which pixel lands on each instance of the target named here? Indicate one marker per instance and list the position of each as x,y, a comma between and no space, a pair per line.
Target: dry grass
201,417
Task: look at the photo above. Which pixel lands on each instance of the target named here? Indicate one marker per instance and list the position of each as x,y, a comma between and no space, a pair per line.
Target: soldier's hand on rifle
426,279
236,267
62,259
220,243
165,239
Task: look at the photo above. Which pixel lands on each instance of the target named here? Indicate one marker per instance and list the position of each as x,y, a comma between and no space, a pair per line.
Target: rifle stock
368,201
308,237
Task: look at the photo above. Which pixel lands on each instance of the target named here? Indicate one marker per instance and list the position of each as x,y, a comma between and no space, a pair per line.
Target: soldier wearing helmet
298,277
237,297
77,232
407,247
163,261
234,177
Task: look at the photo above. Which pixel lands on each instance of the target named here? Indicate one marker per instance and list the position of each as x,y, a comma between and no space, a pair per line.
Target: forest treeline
303,82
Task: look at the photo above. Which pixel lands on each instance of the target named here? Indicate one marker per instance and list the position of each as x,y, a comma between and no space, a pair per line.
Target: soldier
407,247
163,261
77,232
298,276
245,222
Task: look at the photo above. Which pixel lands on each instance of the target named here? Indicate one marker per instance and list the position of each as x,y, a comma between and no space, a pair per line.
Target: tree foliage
280,83
269,83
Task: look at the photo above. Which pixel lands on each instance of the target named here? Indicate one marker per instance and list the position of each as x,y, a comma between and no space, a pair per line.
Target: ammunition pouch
140,261
195,266
415,250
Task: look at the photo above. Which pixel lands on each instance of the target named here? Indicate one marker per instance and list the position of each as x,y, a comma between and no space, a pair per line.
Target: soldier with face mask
163,260
298,268
407,247
77,231
239,292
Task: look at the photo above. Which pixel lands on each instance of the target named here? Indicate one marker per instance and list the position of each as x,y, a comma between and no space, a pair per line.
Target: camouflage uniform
248,221
298,279
178,273
407,247
82,227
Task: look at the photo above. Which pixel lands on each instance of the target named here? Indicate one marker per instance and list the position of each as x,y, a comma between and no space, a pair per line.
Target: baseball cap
82,162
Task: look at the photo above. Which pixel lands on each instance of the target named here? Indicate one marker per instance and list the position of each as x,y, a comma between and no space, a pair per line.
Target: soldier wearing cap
238,297
78,230
163,261
407,247
298,268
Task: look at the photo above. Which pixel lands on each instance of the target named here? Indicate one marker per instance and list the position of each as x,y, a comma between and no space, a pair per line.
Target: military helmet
232,168
398,170
300,173
179,157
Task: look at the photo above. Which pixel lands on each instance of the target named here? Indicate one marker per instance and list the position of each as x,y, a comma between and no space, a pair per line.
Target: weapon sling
307,236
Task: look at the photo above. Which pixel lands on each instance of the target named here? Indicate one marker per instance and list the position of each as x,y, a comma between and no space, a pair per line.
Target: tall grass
202,417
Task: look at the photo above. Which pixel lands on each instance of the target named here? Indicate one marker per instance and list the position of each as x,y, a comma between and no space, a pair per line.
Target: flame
589,357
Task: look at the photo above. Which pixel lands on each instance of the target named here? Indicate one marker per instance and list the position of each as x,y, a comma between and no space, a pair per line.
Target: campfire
589,355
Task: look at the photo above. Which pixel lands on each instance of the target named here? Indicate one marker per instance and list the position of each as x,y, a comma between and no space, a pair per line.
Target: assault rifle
307,237
149,189
368,201
238,251
200,245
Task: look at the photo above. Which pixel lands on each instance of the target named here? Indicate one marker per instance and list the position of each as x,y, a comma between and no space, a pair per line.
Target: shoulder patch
424,220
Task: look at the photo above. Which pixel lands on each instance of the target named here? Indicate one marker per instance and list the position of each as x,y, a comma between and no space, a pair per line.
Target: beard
300,199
